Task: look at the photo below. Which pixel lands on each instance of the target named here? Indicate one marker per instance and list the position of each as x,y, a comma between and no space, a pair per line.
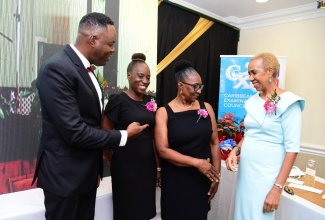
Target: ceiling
244,13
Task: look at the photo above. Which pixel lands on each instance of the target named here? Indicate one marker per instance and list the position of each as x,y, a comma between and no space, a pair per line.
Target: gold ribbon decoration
200,28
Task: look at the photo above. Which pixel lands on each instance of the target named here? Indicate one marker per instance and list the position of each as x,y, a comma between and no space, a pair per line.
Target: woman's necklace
183,107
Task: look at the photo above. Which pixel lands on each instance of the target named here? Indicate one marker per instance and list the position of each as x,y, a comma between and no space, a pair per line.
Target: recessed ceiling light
261,1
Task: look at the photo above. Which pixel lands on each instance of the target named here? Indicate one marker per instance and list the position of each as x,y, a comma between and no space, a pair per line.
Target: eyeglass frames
196,87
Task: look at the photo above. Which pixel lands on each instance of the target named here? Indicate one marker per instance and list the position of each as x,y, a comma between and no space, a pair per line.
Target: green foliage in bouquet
229,125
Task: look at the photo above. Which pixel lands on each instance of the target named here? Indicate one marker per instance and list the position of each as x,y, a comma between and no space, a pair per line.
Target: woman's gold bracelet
158,169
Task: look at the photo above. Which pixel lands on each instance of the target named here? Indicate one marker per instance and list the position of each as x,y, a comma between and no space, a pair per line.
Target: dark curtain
174,23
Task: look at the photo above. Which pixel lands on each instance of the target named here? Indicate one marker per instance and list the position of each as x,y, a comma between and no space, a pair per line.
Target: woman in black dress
187,140
133,167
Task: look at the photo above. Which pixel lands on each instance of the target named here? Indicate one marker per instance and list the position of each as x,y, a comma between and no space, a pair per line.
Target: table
290,208
29,204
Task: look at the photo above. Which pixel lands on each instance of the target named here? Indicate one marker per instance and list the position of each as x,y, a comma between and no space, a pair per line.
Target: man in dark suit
69,160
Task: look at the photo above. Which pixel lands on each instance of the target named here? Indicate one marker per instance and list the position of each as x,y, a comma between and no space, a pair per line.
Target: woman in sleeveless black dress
187,141
134,166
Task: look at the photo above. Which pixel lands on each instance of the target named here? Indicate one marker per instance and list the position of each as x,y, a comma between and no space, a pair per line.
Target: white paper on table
299,182
296,172
306,188
323,197
319,179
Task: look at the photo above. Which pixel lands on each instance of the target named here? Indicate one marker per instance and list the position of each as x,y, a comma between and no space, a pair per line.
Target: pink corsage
271,103
152,105
202,113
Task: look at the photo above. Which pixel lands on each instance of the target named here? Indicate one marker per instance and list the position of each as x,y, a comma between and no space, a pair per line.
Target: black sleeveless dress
184,190
134,167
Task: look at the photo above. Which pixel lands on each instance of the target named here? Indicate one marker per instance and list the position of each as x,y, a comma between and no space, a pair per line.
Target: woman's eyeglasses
196,87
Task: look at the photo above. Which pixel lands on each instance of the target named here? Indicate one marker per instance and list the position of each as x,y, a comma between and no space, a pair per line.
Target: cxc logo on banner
235,87
320,4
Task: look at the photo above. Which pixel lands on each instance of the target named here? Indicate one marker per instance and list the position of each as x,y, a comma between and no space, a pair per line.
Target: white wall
138,27
303,43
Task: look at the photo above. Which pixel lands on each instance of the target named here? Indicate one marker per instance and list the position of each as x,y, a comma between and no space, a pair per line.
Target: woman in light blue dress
271,142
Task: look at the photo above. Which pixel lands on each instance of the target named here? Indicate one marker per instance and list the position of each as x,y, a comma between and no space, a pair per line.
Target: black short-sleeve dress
184,190
133,168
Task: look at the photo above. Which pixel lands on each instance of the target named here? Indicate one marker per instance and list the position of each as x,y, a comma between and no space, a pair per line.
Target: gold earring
181,92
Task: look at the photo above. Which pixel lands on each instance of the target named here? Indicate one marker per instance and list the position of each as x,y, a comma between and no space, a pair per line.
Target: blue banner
235,87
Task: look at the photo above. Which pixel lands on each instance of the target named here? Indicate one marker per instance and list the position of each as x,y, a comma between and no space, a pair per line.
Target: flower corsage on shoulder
152,105
202,113
271,103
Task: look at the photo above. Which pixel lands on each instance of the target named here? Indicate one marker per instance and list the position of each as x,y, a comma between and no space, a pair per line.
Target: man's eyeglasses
196,87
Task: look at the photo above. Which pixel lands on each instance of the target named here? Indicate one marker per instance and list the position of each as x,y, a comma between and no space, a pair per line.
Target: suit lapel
83,72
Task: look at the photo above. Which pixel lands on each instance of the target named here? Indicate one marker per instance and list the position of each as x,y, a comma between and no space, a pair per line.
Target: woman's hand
213,190
231,161
206,168
272,200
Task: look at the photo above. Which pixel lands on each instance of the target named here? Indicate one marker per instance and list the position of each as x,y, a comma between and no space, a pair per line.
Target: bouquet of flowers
229,126
231,131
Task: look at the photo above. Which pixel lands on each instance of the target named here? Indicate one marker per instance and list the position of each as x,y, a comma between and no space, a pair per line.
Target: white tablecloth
29,204
290,208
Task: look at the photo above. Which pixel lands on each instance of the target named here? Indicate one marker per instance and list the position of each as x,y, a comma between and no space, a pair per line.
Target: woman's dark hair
182,70
136,58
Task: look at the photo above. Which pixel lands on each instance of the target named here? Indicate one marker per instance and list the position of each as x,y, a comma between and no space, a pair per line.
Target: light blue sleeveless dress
267,139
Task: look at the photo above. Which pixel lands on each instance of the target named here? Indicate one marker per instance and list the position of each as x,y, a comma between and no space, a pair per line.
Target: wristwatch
239,149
